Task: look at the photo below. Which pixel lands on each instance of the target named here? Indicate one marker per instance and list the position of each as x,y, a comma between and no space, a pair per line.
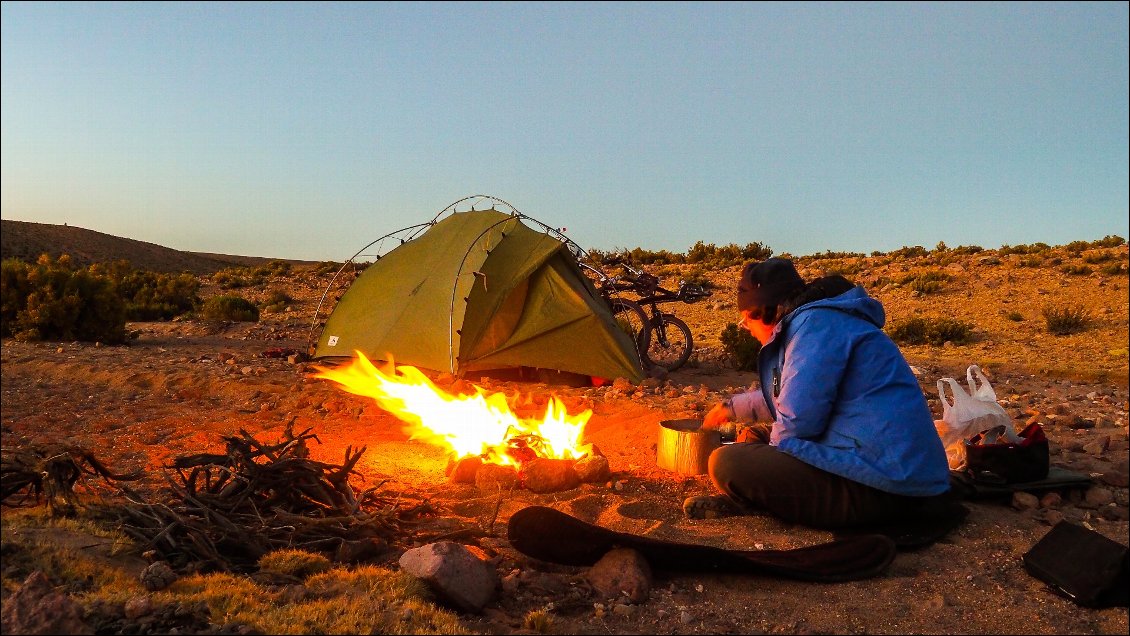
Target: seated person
846,437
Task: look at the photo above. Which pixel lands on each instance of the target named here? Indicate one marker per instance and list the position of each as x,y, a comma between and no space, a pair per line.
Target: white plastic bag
968,414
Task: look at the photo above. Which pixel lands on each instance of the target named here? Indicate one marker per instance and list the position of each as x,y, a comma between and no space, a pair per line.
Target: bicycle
629,315
667,342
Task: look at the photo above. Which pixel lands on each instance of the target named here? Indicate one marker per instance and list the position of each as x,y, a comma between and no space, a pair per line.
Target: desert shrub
229,308
1109,240
741,347
909,252
327,267
279,269
967,249
539,621
1014,316
238,277
1075,270
697,276
293,562
827,254
1094,258
1066,320
927,282
54,300
276,301
1034,261
1034,248
14,290
1078,247
1112,269
158,296
706,254
932,331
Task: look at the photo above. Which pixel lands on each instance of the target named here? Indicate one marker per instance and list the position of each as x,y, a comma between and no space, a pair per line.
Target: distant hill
26,241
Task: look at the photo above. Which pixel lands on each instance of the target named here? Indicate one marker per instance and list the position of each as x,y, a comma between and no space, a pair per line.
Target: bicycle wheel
632,318
670,345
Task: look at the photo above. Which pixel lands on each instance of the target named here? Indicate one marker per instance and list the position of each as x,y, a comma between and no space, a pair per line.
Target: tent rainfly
480,291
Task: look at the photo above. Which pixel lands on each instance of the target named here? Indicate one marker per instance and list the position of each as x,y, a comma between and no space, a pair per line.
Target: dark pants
760,477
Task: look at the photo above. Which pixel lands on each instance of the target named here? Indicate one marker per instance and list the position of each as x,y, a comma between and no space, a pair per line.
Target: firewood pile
225,511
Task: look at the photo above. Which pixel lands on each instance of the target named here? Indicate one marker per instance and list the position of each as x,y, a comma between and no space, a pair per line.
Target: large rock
37,608
543,475
622,572
457,576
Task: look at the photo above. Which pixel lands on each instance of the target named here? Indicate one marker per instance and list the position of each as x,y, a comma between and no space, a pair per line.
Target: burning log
685,447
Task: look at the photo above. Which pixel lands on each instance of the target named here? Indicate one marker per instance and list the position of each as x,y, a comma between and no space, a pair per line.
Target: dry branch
223,512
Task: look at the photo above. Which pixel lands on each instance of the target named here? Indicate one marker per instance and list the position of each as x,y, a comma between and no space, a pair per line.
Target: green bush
1035,248
152,295
230,308
54,300
272,269
1112,269
927,282
1066,320
1099,257
327,267
14,290
238,277
931,331
276,301
741,347
706,254
909,252
1075,270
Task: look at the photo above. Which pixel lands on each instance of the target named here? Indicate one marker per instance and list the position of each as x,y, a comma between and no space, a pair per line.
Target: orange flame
481,424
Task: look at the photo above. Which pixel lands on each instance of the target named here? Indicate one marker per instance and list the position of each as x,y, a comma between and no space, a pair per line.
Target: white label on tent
332,341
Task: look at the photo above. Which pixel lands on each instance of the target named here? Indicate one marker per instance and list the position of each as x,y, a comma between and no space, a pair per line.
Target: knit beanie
767,283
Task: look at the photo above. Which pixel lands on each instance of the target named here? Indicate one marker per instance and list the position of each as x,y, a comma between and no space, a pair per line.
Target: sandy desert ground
181,385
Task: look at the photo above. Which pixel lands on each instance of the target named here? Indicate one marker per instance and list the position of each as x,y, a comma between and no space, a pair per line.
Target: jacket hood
855,301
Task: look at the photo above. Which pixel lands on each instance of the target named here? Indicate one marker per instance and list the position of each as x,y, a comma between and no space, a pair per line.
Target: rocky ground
181,385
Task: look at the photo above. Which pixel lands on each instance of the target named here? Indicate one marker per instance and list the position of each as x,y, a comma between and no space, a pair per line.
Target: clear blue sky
304,131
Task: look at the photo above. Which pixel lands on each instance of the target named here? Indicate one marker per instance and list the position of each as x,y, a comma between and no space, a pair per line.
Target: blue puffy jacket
843,398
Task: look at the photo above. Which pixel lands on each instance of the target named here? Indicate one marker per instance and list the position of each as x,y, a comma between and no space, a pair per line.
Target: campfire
486,441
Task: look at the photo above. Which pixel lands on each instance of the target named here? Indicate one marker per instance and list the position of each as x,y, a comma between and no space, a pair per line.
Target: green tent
480,291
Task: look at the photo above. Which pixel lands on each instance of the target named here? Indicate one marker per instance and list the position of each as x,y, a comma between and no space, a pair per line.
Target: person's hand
758,432
717,416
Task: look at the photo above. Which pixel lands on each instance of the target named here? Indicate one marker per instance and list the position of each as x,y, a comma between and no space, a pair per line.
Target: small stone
1097,496
1052,517
158,576
1097,447
138,606
592,469
622,609
1051,500
1024,501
